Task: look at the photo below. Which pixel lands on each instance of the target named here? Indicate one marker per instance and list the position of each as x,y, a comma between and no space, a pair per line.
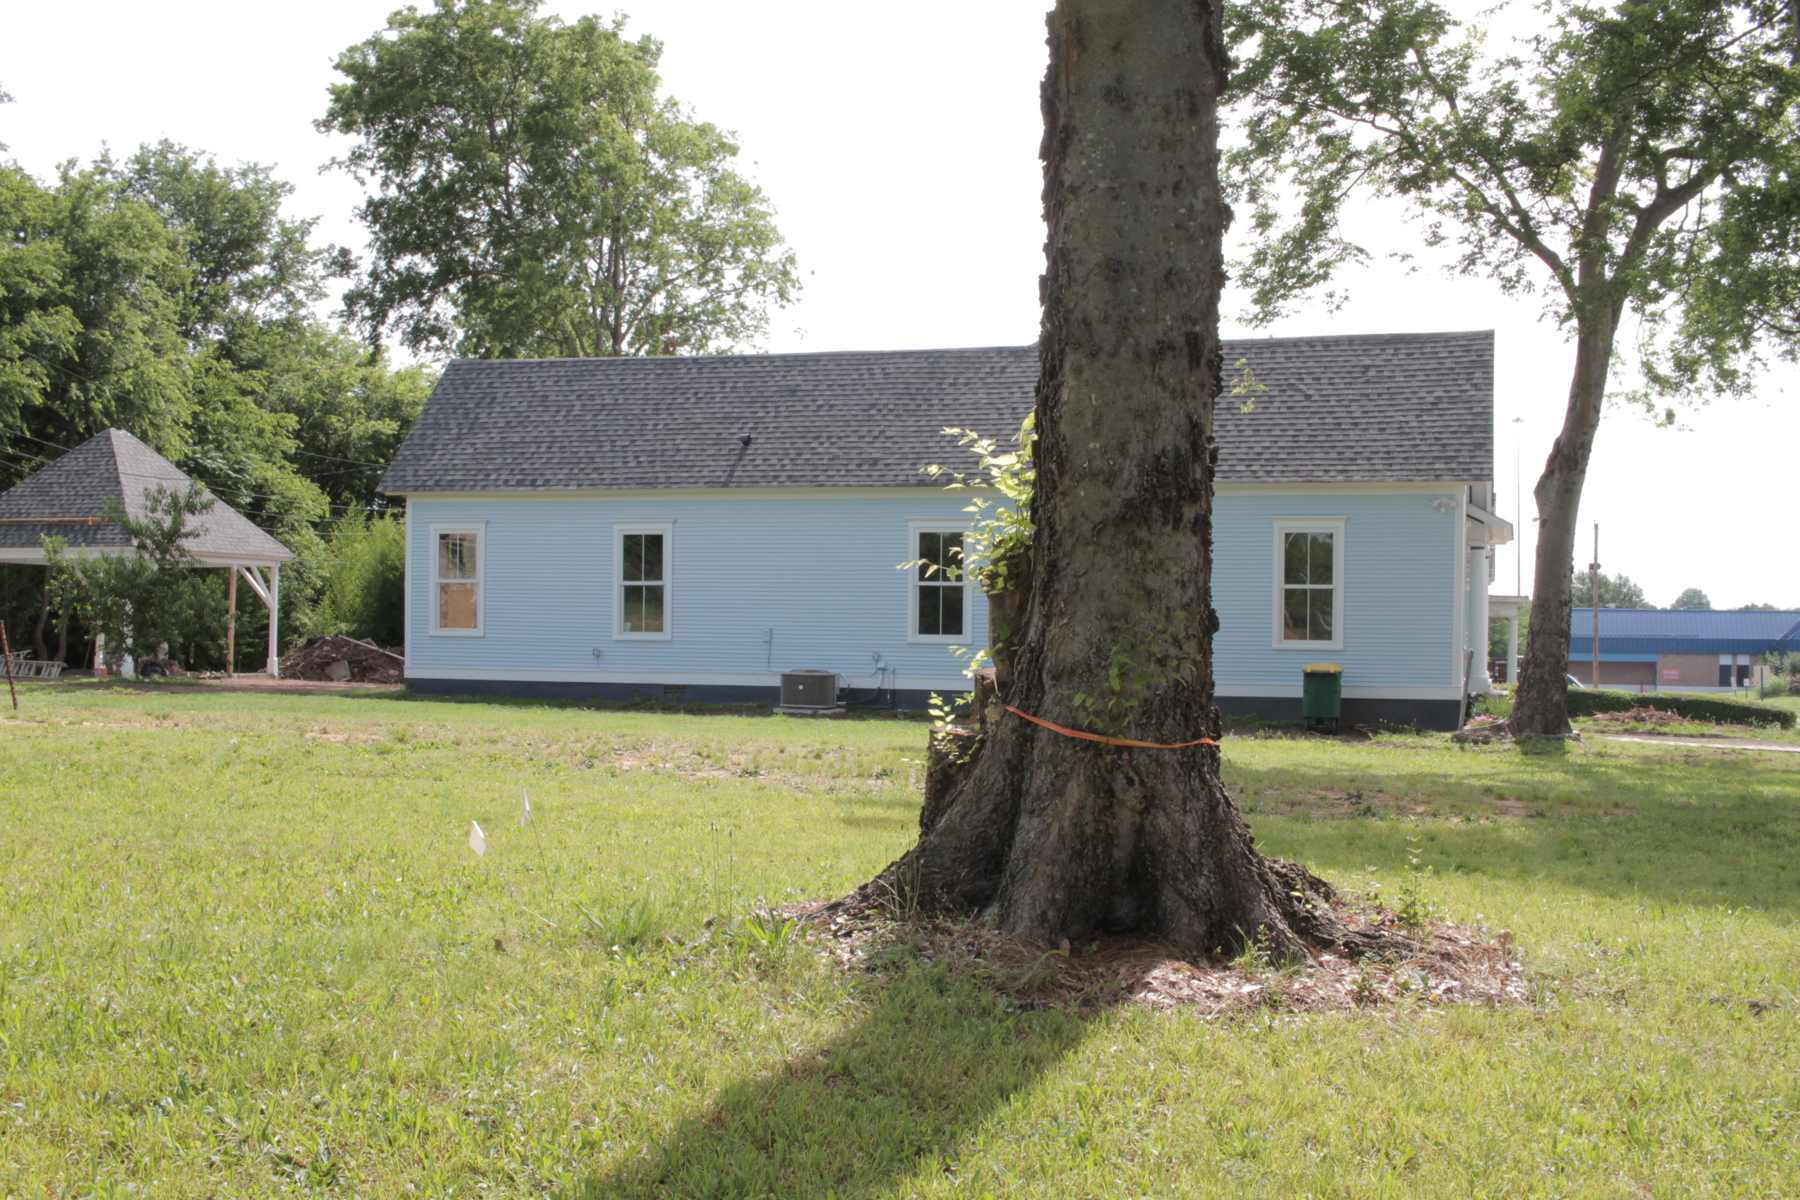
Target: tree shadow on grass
1665,830
933,1056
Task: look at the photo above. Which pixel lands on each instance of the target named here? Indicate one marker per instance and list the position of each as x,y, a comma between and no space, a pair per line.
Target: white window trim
913,529
1278,570
620,529
479,529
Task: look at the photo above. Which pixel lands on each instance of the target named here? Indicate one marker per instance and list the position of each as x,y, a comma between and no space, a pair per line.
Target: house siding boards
827,566
1400,592
820,571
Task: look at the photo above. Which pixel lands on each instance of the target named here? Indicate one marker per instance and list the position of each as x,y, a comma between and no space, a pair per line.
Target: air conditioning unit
808,692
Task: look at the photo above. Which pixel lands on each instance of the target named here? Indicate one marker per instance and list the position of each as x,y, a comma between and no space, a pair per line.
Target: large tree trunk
1046,836
1540,707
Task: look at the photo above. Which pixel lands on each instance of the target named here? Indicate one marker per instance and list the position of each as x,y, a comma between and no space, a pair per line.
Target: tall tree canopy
1616,591
1692,598
536,197
169,296
1638,162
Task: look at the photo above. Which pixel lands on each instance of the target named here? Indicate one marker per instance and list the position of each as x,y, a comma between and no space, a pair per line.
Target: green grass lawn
245,949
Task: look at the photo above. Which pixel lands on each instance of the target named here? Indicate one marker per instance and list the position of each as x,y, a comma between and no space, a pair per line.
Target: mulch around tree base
1453,964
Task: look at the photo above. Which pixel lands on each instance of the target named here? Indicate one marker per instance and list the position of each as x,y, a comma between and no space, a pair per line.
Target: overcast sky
899,146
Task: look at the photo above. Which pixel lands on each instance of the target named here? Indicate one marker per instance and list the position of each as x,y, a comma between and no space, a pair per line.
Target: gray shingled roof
115,465
1384,408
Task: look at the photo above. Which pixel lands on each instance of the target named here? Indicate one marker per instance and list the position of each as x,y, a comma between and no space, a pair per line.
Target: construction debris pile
342,660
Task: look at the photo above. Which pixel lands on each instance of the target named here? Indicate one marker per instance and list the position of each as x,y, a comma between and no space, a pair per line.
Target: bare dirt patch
1451,964
1649,725
1646,717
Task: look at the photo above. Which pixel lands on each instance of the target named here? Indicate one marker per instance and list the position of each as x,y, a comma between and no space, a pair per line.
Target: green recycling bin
1322,696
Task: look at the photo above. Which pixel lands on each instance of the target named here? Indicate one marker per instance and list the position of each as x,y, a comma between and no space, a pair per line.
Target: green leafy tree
366,593
151,595
170,296
1616,591
1692,598
247,261
1637,162
93,285
536,197
279,392
1758,608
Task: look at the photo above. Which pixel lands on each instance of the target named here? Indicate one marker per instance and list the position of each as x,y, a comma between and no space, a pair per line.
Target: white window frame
913,529
1335,527
620,530
479,529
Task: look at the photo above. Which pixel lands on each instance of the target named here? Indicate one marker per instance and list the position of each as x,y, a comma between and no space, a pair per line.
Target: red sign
1671,674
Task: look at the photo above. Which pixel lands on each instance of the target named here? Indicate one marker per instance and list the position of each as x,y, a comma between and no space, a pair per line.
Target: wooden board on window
456,606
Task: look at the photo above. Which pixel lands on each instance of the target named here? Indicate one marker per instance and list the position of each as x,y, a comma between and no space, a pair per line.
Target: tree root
1376,966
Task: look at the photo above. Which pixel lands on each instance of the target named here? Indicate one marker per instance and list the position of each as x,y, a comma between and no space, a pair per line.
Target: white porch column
274,667
1480,681
1512,648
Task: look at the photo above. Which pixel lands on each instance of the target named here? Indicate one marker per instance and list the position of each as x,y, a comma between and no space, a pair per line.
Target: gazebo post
231,574
274,620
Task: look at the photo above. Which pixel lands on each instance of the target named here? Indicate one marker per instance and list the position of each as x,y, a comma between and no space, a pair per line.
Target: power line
334,458
22,454
41,441
56,367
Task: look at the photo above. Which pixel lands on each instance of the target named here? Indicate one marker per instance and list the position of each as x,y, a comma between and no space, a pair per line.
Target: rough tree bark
1048,837
1540,707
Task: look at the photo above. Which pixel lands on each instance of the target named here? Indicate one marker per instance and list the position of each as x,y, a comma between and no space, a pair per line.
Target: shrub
364,595
1724,710
148,595
1493,704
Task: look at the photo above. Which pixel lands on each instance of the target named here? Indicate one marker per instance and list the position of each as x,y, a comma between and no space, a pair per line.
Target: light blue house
695,527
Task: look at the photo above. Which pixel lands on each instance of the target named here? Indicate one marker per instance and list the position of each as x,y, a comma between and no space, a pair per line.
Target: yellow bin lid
1322,669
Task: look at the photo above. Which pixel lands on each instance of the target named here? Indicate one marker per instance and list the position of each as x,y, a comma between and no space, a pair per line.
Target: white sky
900,149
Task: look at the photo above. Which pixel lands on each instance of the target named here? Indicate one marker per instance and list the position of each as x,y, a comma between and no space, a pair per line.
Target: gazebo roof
60,498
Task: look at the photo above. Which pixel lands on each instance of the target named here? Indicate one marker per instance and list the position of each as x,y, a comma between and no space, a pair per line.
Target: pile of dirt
1449,964
341,660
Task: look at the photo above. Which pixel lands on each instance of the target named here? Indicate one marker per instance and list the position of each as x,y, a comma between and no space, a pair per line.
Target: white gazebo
67,498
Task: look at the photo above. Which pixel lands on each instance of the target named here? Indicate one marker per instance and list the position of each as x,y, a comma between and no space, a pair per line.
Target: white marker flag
524,809
477,842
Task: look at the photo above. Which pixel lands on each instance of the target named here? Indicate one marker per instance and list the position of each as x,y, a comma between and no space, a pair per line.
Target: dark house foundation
1422,714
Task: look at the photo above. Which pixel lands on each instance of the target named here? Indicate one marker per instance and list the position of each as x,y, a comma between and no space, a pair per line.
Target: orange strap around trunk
1094,737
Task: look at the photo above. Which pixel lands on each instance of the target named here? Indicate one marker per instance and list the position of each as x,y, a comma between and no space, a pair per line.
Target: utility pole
1594,577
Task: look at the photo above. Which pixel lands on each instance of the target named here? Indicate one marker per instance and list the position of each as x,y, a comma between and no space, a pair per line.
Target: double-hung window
1309,584
643,606
939,603
456,562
